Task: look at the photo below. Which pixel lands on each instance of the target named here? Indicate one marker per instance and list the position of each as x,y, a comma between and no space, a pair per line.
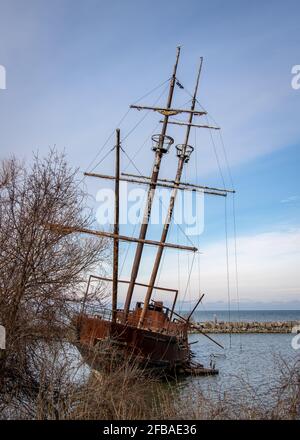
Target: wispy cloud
290,199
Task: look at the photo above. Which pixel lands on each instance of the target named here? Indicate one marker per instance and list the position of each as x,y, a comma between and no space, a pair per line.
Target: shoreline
248,327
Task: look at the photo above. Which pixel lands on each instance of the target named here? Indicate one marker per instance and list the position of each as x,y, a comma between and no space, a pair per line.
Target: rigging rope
233,202
143,144
153,90
234,225
226,159
178,263
189,278
106,142
227,270
216,154
127,250
104,157
143,117
196,172
234,235
162,264
188,255
236,267
119,124
128,244
160,201
226,220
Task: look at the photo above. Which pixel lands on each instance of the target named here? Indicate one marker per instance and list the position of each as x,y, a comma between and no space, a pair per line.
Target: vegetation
41,272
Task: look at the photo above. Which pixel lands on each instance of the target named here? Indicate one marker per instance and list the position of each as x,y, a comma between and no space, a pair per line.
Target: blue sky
73,68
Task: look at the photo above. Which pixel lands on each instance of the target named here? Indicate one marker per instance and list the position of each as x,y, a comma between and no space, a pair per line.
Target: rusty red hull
160,344
150,348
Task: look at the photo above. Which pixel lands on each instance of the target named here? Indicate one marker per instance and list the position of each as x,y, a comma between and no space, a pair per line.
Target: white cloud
268,269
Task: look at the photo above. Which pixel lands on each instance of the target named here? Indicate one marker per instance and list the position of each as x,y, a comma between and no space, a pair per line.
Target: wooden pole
151,191
163,238
142,180
200,330
195,307
173,305
173,182
86,294
165,289
70,229
116,230
193,125
169,111
196,327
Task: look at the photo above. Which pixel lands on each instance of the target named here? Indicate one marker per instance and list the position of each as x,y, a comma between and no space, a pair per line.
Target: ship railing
97,311
106,279
175,327
167,327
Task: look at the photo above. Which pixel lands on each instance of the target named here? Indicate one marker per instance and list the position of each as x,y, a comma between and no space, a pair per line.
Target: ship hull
148,348
105,345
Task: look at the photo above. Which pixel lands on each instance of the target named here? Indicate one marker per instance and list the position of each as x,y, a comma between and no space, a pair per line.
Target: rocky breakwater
249,327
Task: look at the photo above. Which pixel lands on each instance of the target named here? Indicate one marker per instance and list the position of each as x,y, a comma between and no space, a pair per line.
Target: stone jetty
249,327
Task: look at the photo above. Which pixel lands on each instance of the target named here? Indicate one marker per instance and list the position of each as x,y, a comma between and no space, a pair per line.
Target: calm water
247,315
250,363
252,359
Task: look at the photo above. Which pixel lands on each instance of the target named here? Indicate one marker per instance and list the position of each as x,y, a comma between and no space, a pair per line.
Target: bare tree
41,272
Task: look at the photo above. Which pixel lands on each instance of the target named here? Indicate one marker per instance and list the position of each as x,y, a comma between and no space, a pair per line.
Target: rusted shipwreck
155,335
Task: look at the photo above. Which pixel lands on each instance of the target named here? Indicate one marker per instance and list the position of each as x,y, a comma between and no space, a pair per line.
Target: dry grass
128,393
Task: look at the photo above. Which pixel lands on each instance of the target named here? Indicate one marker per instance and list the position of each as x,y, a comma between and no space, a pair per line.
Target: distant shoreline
248,327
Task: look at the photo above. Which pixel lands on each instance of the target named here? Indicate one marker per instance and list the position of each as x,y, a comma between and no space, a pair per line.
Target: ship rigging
156,335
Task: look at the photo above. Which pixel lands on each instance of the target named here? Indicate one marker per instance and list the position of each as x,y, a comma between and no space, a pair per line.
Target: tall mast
183,152
155,172
116,230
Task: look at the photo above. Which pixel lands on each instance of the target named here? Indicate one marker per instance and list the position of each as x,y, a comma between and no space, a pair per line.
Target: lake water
249,362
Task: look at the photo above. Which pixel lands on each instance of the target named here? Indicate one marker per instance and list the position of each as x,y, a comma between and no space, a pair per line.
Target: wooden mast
181,160
116,230
151,191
